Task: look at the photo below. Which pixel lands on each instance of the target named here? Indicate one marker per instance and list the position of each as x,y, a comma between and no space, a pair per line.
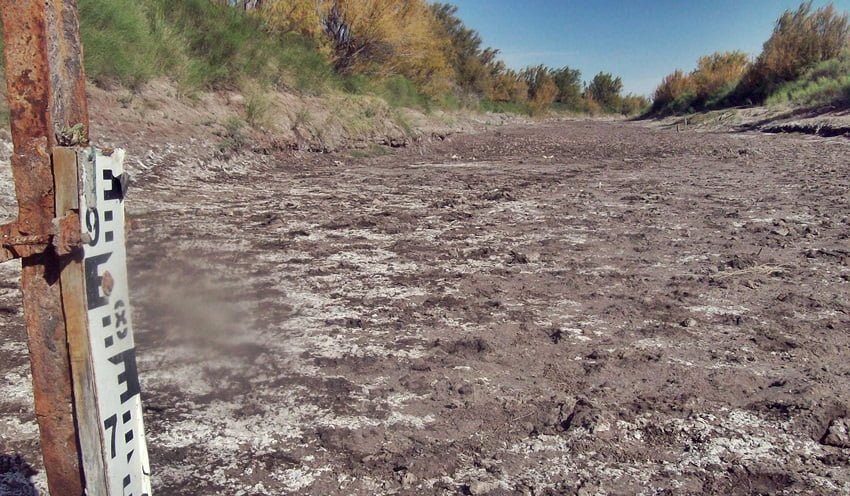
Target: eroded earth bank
574,307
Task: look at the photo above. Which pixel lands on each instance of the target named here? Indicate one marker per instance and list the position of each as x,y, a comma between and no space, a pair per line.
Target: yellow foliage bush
544,96
674,86
718,73
633,104
298,16
675,90
541,87
381,37
508,86
801,39
592,106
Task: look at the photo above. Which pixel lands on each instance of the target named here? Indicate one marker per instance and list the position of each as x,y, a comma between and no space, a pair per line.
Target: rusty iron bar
40,240
45,85
65,236
14,244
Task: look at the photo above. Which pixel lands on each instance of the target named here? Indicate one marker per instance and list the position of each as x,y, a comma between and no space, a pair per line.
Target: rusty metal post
46,92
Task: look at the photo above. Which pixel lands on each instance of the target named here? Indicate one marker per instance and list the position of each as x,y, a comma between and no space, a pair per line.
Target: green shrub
633,105
675,94
259,106
227,45
542,88
399,91
568,82
225,41
800,40
203,44
356,84
605,89
119,45
505,107
304,68
449,101
828,83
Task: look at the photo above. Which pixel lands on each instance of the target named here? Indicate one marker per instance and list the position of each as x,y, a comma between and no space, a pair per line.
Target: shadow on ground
15,476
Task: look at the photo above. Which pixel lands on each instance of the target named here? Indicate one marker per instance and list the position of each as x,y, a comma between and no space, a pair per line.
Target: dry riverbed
574,307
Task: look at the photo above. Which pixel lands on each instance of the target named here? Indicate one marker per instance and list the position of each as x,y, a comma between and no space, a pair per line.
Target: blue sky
639,40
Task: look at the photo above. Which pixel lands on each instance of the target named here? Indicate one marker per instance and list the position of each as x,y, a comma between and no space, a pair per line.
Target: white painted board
113,352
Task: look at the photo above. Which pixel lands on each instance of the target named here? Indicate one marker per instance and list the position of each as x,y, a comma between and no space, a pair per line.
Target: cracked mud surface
564,308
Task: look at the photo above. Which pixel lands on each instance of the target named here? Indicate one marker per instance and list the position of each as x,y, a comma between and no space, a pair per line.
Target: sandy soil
819,121
566,308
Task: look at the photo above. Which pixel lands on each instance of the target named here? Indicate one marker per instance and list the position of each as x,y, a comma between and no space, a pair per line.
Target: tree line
428,44
805,61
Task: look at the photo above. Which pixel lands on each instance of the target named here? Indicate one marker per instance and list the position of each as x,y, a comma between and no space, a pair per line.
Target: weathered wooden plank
65,166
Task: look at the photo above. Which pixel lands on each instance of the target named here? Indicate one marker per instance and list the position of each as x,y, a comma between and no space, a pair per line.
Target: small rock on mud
838,434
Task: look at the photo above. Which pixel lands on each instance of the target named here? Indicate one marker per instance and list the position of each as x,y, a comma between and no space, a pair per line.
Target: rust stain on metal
107,283
64,236
68,81
27,89
50,365
36,240
19,244
67,237
45,88
7,254
27,70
